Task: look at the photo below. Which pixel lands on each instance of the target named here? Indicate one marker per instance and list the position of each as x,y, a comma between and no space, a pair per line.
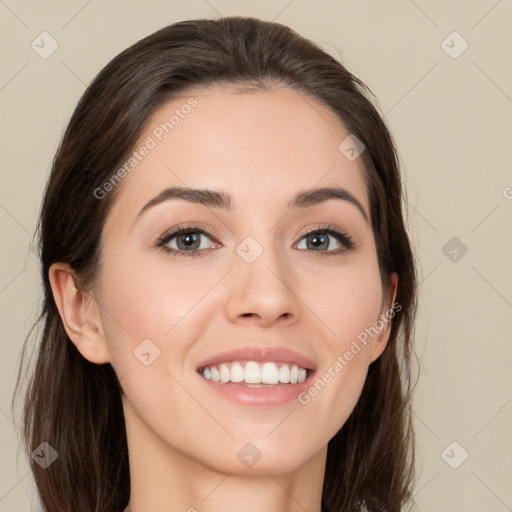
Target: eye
185,241
320,239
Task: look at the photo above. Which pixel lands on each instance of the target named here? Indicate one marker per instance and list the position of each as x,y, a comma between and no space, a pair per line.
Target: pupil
317,242
189,239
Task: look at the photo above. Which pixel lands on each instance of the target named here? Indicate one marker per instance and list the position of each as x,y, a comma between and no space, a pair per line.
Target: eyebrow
221,199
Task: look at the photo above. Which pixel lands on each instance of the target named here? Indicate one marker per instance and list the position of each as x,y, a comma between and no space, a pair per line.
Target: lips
257,376
259,354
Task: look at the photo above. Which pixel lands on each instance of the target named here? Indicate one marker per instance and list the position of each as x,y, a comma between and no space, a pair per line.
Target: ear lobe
381,340
79,314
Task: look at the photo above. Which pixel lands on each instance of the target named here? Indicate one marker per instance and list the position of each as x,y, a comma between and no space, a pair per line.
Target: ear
379,342
79,313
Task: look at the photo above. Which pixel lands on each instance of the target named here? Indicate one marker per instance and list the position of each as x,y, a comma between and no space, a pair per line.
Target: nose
262,292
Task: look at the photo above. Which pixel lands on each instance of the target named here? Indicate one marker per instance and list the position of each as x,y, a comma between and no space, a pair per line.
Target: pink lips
266,396
260,354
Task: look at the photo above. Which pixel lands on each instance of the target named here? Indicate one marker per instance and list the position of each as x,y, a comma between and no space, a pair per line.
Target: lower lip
268,396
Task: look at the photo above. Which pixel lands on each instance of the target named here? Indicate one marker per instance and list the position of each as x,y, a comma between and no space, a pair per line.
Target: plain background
451,118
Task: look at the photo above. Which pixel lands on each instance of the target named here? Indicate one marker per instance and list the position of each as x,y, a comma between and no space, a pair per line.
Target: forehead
261,146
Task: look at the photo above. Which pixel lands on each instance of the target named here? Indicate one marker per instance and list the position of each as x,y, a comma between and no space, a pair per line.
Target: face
278,283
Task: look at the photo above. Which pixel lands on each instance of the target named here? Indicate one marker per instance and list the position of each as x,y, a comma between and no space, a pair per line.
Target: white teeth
224,373
215,374
269,374
237,372
284,374
294,373
255,373
252,374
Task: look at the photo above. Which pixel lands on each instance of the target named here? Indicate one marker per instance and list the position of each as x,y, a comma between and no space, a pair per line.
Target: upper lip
259,353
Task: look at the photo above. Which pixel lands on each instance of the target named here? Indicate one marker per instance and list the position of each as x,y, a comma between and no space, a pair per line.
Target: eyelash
339,234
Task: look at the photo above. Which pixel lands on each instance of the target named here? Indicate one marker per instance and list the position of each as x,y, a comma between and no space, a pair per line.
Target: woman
229,286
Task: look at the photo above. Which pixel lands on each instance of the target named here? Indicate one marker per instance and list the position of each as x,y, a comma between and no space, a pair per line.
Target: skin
183,438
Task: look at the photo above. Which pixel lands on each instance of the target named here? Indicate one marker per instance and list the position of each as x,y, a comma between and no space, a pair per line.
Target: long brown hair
75,405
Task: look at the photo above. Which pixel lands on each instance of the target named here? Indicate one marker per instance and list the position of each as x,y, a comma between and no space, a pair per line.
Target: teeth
237,372
269,374
252,374
284,374
294,374
255,373
224,373
215,374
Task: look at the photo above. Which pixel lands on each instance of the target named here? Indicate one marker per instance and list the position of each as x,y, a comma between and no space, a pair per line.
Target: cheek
146,300
349,307
152,314
345,301
146,317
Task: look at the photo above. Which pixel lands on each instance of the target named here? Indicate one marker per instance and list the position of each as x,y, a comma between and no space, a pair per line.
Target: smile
255,373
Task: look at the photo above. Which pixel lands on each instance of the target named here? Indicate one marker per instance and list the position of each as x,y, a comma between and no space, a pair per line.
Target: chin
260,457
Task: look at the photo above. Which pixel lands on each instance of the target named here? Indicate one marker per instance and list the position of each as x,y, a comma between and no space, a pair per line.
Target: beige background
451,118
